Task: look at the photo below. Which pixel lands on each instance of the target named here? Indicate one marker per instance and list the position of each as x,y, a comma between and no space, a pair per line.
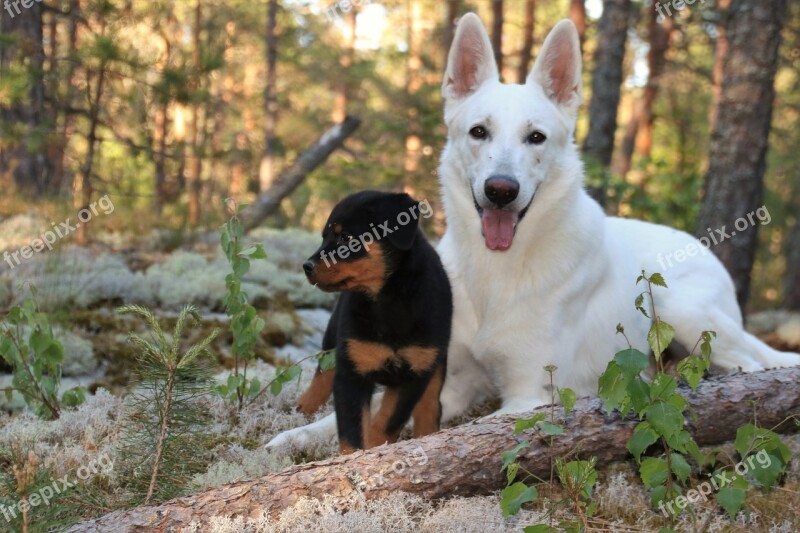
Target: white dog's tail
770,357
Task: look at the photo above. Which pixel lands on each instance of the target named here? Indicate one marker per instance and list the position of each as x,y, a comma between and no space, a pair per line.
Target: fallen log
466,460
288,180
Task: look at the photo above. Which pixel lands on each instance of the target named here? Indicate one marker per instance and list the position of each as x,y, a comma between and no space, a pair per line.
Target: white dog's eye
478,132
537,137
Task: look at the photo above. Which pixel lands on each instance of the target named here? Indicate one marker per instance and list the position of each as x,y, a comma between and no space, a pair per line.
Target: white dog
540,275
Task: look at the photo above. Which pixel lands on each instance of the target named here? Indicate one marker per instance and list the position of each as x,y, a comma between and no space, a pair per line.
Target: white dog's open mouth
498,226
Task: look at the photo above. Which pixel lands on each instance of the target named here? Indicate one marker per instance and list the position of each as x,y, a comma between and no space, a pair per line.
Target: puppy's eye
344,238
478,132
537,137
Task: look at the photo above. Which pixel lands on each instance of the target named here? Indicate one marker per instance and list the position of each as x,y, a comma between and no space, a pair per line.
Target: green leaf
639,303
664,418
639,394
731,499
523,424
653,472
74,397
511,473
540,528
658,279
513,497
643,437
659,337
276,387
631,362
551,429
680,467
510,456
692,369
612,389
568,399
663,387
327,360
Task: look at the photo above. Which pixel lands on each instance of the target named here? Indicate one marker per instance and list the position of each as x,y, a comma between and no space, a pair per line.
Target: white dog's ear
470,61
558,67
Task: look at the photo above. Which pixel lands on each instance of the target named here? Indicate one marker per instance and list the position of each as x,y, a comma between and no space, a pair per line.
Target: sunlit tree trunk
452,9
345,61
577,13
497,33
734,183
659,35
266,173
413,84
606,82
527,44
195,163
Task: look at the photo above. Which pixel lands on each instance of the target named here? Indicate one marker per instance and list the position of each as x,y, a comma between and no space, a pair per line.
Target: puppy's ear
558,67
402,214
470,61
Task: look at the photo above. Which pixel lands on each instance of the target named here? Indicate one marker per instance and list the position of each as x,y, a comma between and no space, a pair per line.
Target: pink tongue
498,228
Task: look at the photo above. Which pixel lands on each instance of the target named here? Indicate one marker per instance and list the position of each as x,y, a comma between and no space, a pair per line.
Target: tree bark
466,460
734,183
195,163
413,83
497,33
345,61
452,8
720,55
267,169
659,35
527,44
23,158
791,291
269,201
577,13
606,81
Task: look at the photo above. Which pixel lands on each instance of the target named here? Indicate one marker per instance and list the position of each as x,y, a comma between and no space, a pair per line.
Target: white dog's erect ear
470,61
558,67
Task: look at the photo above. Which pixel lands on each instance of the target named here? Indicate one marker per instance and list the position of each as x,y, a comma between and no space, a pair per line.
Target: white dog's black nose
501,190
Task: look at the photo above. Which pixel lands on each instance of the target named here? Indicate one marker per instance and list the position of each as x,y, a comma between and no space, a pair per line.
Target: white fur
557,295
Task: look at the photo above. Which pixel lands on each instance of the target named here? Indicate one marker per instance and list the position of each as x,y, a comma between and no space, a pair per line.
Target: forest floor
81,288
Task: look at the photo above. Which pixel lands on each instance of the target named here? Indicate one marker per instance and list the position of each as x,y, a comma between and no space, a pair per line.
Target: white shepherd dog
540,275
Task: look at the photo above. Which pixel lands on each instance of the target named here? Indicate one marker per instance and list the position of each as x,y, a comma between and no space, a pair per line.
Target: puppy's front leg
351,397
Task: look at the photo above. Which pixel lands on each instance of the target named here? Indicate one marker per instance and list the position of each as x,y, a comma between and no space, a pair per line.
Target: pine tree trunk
720,55
659,35
577,13
345,61
497,33
413,84
22,159
449,27
466,460
266,173
791,291
195,164
734,183
527,45
598,146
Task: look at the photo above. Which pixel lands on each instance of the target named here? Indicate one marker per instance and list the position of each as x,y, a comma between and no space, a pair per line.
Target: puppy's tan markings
419,358
367,274
378,430
317,393
428,411
368,356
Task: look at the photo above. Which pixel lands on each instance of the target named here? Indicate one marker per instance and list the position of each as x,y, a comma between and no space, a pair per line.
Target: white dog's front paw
296,438
305,437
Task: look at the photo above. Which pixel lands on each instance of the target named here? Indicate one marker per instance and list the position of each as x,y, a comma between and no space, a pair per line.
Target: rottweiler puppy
390,325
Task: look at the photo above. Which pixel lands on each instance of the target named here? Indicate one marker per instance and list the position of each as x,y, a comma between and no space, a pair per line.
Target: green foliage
28,346
166,417
661,411
246,325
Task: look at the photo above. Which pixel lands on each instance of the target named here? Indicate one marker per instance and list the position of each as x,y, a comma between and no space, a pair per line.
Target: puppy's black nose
308,266
501,190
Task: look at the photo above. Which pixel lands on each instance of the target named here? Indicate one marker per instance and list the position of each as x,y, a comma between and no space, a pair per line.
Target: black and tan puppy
390,325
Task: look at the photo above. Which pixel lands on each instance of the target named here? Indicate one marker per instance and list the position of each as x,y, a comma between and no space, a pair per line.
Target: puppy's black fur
390,325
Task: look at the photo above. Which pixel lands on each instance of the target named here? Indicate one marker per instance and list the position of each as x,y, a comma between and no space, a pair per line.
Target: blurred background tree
170,106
